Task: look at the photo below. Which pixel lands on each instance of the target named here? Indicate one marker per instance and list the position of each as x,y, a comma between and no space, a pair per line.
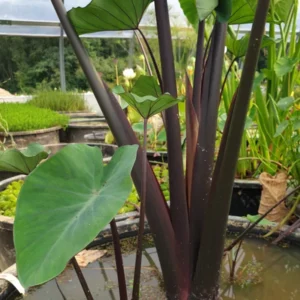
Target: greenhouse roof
38,18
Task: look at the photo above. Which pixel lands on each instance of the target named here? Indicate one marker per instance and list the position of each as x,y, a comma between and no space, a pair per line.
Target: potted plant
23,124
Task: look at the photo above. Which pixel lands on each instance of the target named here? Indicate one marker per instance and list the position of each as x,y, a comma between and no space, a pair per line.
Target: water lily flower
129,74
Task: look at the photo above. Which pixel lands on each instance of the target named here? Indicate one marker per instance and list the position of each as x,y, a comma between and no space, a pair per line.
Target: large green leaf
239,47
282,9
224,10
22,161
103,15
190,10
63,205
198,10
146,97
284,65
243,11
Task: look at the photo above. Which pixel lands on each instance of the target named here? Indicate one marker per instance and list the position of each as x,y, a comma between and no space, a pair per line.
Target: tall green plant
199,204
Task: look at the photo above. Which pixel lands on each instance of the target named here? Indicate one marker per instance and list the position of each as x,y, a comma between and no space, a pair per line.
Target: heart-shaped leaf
239,47
285,103
63,205
139,127
22,161
103,15
146,97
284,65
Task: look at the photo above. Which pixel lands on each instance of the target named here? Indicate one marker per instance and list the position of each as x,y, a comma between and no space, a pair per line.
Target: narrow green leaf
284,65
103,15
285,103
22,161
281,128
64,204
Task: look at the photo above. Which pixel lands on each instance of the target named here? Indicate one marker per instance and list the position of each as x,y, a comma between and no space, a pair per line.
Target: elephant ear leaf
106,15
64,204
22,161
146,97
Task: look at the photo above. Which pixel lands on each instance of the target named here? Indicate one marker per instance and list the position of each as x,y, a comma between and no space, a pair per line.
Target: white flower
225,50
129,74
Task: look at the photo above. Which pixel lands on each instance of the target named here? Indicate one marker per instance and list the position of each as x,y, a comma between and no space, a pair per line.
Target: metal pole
62,59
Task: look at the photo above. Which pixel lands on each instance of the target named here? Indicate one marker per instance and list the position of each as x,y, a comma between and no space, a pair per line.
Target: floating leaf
64,204
103,15
146,97
263,222
22,161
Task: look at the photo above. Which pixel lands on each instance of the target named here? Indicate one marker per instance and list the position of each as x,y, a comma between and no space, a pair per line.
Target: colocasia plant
72,196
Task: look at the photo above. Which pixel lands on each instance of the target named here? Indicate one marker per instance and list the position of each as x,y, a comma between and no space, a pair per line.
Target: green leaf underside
205,8
243,11
146,97
224,10
239,47
63,205
22,161
190,10
103,15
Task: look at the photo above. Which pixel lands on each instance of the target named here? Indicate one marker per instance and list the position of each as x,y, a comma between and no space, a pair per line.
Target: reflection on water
263,272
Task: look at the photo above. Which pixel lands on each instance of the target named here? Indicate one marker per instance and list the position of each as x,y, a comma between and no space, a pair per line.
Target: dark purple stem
119,260
81,278
139,252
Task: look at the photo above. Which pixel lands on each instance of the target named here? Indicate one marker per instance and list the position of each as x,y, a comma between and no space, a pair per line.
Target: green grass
59,101
26,117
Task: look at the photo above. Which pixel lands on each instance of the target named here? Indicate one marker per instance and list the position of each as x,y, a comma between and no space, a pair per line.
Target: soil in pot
263,272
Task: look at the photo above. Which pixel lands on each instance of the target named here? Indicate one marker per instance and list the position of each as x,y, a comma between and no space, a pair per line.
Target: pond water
264,272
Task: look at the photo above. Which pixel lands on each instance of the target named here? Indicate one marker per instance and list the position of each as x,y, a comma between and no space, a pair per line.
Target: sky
42,10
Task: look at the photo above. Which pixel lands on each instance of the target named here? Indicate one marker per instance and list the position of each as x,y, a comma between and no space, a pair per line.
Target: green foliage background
28,64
